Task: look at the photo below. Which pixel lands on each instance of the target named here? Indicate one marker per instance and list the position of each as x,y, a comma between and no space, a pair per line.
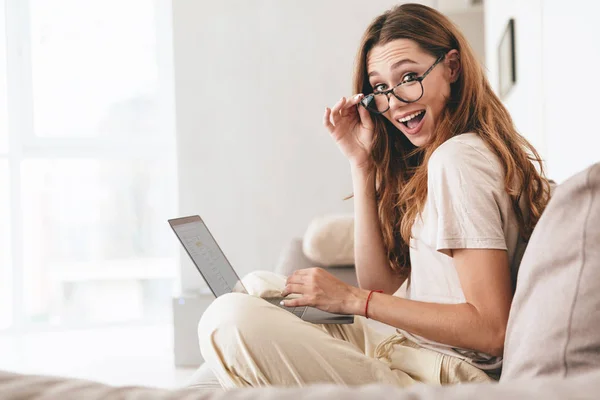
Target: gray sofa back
554,321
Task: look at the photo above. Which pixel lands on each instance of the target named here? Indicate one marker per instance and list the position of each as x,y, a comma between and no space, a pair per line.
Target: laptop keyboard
298,311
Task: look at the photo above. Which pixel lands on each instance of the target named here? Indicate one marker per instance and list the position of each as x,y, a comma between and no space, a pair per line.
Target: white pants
247,341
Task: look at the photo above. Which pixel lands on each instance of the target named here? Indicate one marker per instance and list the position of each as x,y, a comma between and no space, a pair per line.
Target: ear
452,62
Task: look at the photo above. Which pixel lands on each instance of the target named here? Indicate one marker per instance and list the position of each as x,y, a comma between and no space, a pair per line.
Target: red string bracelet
369,298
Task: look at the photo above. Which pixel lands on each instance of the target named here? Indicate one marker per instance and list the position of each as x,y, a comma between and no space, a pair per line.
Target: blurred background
116,115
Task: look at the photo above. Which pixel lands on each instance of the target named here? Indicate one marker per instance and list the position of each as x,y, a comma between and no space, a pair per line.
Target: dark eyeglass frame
371,97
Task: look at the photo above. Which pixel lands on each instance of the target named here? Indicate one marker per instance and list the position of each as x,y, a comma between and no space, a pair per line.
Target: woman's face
401,59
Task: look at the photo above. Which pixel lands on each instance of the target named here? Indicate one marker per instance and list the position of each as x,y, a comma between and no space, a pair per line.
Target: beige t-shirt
467,207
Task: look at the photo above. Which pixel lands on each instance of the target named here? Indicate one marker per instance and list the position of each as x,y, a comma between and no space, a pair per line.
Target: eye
410,77
379,87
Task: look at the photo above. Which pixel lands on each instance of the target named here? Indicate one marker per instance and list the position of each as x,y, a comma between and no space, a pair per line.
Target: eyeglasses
407,92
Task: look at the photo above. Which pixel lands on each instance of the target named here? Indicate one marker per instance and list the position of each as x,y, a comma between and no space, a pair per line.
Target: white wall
557,43
571,49
450,6
525,101
471,23
252,80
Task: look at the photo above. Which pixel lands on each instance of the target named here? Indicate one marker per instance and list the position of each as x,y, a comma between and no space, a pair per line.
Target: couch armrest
292,258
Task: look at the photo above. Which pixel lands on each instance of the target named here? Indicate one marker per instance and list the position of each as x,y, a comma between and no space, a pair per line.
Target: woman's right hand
351,126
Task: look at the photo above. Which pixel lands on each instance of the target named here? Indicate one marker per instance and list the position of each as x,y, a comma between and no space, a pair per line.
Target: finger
350,106
326,122
294,288
303,275
303,271
335,111
299,302
337,106
294,278
365,117
354,100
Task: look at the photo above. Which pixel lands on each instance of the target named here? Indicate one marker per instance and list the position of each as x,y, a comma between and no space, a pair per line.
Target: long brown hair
401,169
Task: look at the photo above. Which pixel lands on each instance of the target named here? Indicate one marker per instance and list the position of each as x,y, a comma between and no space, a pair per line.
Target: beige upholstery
329,240
21,387
554,321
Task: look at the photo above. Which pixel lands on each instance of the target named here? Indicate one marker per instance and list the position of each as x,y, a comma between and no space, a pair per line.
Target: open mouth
413,120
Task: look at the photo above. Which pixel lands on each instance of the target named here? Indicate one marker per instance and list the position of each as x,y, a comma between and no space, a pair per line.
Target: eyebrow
396,65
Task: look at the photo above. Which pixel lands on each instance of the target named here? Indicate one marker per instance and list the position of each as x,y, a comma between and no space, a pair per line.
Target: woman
445,189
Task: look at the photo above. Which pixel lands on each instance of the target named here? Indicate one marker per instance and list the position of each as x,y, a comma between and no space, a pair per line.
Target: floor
117,356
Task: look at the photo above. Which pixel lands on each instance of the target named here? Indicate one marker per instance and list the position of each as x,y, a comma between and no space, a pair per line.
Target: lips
411,123
409,116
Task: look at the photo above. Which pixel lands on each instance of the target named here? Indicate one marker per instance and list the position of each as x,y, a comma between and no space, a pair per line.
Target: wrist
361,167
358,301
362,177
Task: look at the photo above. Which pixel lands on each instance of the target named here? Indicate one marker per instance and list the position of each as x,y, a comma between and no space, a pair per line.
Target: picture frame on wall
507,69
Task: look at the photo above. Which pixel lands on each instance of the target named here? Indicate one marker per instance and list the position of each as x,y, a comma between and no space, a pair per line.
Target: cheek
388,116
436,96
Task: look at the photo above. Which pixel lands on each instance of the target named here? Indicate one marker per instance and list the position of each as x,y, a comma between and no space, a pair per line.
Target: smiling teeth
411,116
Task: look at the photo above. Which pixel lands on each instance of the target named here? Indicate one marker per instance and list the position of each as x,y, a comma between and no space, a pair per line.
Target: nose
395,103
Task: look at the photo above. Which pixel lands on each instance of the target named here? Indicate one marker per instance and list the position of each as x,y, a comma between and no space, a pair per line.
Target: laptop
220,276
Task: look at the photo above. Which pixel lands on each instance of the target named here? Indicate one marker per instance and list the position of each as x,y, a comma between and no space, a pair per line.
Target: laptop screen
207,255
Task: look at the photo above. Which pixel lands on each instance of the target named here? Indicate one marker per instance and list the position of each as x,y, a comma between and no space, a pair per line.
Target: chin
419,140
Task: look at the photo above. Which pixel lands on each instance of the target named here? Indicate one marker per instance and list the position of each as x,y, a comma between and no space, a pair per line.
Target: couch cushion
292,258
554,323
329,240
18,387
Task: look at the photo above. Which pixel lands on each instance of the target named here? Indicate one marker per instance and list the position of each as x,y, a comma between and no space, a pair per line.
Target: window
94,69
93,157
95,244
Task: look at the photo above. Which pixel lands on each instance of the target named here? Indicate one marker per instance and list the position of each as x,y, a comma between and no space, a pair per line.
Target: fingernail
358,96
282,303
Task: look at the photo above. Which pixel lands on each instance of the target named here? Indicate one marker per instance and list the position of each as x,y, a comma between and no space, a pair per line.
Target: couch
552,346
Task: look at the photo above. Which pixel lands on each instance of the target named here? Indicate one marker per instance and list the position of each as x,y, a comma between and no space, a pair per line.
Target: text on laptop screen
208,257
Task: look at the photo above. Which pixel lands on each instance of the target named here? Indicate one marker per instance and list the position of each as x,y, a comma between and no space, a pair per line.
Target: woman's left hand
324,291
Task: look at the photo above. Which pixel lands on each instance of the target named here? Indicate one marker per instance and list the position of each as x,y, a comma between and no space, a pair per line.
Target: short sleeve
466,190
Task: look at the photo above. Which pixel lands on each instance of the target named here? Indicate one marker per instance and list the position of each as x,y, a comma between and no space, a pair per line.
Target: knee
264,283
228,314
224,309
